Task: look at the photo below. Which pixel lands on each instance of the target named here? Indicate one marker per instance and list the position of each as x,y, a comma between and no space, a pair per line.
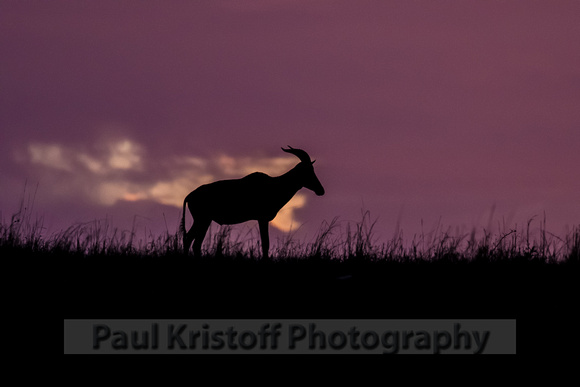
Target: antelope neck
290,181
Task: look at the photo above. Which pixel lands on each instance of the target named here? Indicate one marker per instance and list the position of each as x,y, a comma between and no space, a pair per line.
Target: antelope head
305,168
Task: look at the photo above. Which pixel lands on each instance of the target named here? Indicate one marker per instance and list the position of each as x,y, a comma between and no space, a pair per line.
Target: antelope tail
182,224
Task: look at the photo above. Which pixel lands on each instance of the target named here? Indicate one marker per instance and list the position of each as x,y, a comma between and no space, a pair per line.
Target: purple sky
414,110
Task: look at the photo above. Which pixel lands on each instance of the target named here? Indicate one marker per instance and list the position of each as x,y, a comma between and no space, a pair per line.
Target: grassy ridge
334,241
92,270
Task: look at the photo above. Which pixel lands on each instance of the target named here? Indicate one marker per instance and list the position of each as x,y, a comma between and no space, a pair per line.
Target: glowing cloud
124,155
119,155
50,155
241,166
92,164
102,174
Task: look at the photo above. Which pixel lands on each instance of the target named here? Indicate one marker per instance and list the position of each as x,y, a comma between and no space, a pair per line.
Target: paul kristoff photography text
290,336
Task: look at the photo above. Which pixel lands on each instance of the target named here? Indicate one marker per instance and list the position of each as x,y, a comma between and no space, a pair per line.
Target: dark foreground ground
542,297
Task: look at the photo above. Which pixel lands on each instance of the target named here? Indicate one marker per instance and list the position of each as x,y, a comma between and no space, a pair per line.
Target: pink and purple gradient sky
415,110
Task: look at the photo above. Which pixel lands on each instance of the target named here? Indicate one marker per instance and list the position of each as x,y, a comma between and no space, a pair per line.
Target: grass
92,270
335,241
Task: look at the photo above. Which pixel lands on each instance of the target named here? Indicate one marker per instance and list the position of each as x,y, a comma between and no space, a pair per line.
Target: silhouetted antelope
254,197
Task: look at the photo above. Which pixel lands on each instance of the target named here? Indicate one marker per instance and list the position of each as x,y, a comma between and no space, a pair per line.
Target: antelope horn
302,155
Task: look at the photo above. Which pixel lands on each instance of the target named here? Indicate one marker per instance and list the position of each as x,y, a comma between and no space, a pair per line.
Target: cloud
124,155
50,155
240,166
120,171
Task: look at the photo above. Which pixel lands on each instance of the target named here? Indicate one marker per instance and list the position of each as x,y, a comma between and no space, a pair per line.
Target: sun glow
285,220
